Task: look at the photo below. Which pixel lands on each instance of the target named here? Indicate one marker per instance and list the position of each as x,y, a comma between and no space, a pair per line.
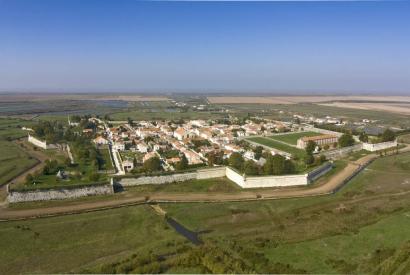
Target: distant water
113,103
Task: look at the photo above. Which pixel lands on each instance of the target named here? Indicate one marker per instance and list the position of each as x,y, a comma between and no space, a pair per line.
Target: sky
171,46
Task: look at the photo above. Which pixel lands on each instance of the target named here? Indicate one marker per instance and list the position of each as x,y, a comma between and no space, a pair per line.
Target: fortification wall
59,193
210,173
275,181
157,179
379,146
37,142
235,177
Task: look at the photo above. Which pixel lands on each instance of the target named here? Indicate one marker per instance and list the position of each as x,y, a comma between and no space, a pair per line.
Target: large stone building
319,140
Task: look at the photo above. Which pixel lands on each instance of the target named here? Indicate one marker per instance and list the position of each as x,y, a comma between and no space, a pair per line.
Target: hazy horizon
204,47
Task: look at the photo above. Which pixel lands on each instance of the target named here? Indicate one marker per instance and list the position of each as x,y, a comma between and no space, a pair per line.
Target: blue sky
127,46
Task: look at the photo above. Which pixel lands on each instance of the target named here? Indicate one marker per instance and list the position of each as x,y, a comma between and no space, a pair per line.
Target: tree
258,152
388,135
236,161
182,164
309,159
363,137
215,158
129,121
278,165
267,167
310,147
289,167
251,168
346,140
151,165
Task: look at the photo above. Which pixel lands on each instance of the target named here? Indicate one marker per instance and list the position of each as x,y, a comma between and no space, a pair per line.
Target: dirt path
329,187
39,156
132,199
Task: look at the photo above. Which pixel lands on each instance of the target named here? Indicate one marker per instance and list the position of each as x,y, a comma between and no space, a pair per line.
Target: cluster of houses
194,139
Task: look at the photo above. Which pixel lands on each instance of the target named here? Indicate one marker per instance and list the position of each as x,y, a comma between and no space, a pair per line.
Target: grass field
70,243
292,138
361,229
205,185
13,161
298,153
137,114
10,128
107,163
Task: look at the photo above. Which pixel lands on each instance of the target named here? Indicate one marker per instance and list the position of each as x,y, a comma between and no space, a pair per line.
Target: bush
346,140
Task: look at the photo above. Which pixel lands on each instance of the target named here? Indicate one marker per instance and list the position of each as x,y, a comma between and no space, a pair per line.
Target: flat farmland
301,99
293,137
399,108
13,161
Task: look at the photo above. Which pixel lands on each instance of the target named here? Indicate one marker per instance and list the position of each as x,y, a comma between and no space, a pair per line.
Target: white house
120,146
142,147
128,165
100,140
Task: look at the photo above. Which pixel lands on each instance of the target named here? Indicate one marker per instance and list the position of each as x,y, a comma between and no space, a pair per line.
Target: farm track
331,186
39,156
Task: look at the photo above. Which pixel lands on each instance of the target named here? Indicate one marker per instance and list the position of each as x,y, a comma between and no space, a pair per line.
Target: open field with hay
301,99
400,108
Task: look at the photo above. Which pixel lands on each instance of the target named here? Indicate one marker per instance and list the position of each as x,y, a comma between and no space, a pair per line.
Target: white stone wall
235,177
266,181
59,194
209,173
157,179
275,181
379,146
37,142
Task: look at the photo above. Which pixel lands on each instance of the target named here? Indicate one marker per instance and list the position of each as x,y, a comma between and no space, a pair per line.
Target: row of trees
274,165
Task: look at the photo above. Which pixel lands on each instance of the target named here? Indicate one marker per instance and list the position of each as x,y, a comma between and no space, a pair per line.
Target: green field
107,163
298,153
361,229
206,185
71,243
137,114
13,161
293,137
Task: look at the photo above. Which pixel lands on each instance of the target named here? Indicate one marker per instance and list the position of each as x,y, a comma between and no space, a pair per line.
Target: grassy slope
105,154
67,243
277,145
205,185
13,161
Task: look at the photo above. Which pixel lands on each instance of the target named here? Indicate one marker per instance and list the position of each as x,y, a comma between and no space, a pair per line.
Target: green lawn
71,243
205,185
13,161
298,153
293,137
107,163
